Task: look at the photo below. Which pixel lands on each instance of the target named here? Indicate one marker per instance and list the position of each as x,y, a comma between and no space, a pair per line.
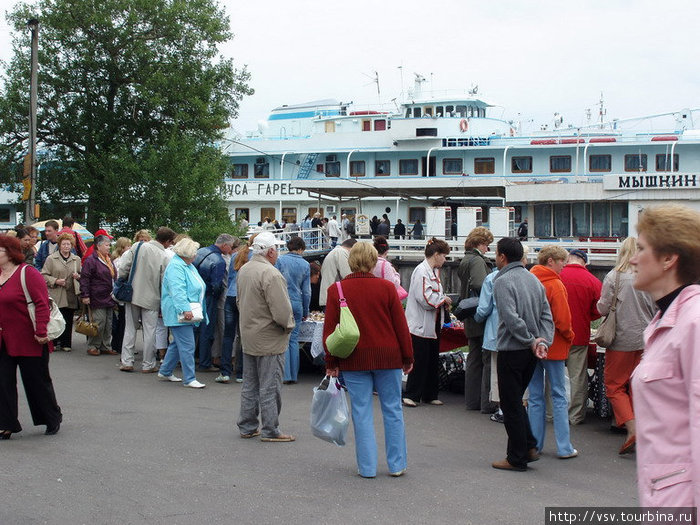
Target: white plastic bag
329,412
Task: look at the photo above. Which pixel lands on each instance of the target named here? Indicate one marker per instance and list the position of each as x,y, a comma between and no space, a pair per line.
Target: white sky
530,57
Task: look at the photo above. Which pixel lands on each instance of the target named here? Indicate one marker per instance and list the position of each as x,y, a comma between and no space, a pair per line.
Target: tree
133,95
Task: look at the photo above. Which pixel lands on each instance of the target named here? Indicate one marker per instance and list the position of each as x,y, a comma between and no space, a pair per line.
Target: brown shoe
149,370
109,352
281,438
504,464
251,435
532,455
126,368
93,351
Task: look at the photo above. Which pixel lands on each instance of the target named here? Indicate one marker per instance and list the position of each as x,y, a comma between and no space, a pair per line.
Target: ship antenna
602,111
402,92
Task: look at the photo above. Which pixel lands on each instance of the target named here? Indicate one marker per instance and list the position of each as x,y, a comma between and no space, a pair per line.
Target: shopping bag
329,412
343,340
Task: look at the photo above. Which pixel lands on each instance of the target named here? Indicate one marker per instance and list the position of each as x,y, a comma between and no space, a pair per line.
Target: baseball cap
103,232
580,253
265,240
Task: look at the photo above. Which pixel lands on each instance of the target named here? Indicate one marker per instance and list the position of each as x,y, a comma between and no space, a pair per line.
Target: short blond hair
186,248
66,237
479,235
552,251
142,235
674,229
363,257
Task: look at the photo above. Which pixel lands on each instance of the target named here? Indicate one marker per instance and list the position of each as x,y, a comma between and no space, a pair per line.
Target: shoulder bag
467,306
605,335
57,324
346,335
122,290
85,324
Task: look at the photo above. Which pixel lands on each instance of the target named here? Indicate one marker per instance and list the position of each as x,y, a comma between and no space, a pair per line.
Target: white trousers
149,321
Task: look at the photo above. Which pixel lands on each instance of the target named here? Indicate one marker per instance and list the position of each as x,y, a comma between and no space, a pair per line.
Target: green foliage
132,94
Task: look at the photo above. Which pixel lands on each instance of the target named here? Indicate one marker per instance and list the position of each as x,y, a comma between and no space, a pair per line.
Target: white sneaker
194,384
222,379
171,377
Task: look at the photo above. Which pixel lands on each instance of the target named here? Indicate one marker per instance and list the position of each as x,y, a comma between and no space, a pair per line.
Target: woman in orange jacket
552,260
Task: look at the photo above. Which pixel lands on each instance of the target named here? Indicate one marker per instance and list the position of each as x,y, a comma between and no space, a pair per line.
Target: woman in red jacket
382,353
23,345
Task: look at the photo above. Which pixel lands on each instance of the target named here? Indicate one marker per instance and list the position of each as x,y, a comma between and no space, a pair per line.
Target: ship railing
316,239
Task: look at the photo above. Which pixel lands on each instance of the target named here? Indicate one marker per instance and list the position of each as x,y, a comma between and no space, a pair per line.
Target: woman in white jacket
424,314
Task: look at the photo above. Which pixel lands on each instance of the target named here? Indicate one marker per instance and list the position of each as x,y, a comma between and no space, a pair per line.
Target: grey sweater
523,310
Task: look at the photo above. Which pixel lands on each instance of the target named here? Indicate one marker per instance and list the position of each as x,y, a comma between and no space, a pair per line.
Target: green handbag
343,340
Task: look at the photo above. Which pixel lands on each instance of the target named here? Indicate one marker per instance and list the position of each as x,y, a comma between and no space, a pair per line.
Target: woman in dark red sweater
382,353
22,345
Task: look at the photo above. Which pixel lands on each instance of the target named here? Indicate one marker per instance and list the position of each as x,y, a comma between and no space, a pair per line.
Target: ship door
433,163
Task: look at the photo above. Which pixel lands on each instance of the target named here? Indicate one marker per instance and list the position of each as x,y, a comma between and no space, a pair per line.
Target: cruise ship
449,161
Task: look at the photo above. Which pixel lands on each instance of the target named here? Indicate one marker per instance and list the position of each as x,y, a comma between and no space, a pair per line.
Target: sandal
407,401
5,434
282,438
251,435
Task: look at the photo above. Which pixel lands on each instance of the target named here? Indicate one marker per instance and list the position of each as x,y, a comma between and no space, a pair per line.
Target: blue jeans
206,331
387,383
230,327
291,361
560,407
181,349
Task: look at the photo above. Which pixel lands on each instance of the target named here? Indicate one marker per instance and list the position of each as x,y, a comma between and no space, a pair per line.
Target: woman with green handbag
382,353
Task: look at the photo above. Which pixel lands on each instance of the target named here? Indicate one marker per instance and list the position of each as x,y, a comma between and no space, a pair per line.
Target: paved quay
135,450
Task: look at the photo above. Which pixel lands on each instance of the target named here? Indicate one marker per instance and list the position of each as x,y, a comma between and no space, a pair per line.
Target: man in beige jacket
145,303
266,321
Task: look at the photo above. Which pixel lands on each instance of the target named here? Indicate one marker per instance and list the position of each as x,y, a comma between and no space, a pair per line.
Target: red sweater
384,338
559,304
584,291
16,329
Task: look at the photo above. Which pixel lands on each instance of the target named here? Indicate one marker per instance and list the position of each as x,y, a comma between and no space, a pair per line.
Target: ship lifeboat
363,113
602,139
572,141
542,142
664,138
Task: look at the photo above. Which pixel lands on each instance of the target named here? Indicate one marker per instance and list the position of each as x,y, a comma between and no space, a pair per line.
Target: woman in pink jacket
666,384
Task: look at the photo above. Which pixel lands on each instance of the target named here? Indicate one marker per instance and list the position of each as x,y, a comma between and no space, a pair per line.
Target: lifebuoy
512,132
463,125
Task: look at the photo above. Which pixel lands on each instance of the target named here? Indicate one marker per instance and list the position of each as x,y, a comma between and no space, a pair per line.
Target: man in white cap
266,321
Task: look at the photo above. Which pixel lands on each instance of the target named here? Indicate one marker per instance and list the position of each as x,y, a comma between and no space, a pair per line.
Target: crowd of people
238,306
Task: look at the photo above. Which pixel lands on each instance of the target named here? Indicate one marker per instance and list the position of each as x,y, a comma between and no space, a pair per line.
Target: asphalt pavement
136,450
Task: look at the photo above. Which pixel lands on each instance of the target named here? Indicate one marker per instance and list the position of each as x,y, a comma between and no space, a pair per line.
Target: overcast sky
532,58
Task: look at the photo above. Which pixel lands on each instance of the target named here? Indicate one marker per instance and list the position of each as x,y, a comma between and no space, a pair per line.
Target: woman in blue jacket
182,286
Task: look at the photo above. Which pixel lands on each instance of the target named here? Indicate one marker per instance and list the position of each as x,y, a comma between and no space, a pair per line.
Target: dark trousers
422,384
118,326
515,369
206,331
230,330
477,378
37,386
66,338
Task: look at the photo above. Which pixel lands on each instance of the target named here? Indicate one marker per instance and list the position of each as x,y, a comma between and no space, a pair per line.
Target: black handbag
467,307
122,289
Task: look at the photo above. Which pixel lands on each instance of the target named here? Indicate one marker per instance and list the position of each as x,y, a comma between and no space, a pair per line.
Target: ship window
521,164
267,213
382,168
242,213
379,125
408,112
560,163
416,112
601,219
636,162
452,166
416,214
449,143
366,125
333,169
619,221
461,111
408,167
663,162
543,220
289,215
599,163
239,171
484,166
482,112
581,217
562,220
350,212
261,170
357,168
470,111
449,111
330,126
4,214
439,111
